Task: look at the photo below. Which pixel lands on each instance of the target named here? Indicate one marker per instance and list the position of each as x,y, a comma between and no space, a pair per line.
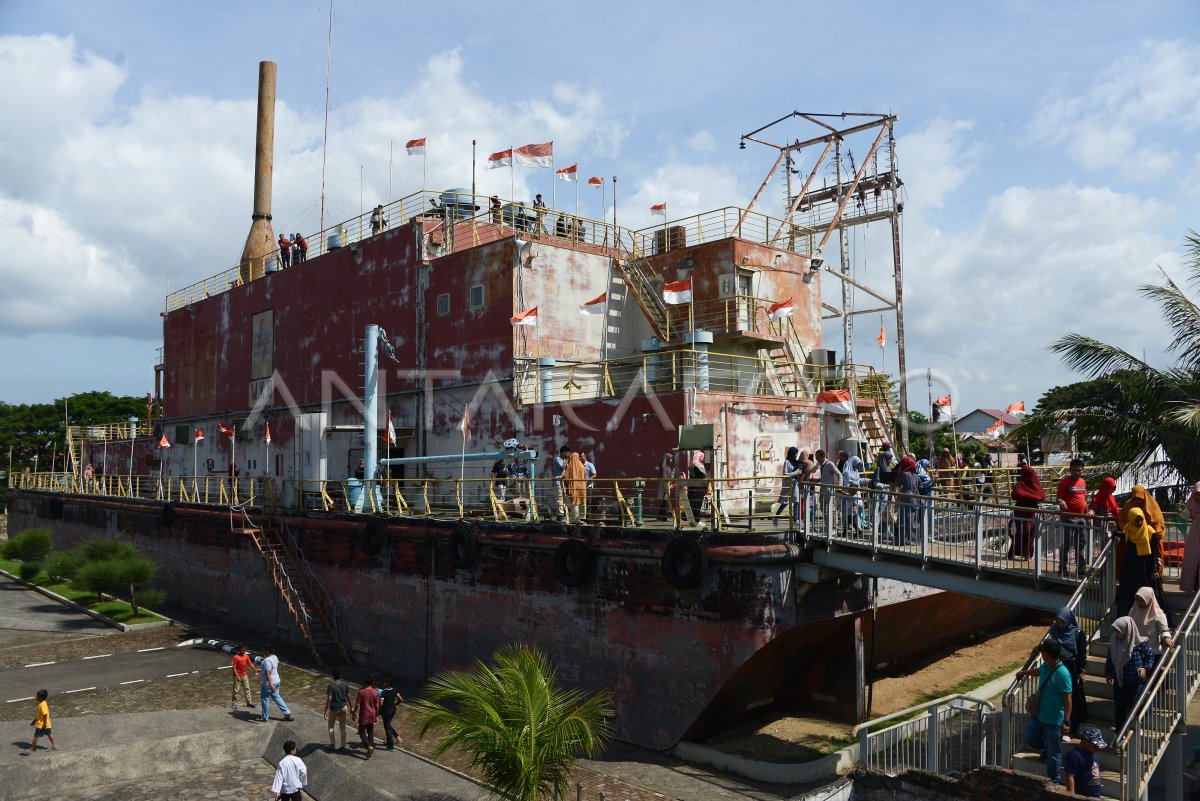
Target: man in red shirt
366,707
242,663
1072,503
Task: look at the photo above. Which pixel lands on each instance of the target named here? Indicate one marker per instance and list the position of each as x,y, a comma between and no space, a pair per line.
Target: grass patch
113,608
962,687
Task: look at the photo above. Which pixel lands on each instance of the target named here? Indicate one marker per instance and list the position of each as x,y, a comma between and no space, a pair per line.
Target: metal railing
1161,710
954,735
722,223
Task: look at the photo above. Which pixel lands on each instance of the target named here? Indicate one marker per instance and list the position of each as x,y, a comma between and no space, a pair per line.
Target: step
1028,762
1096,687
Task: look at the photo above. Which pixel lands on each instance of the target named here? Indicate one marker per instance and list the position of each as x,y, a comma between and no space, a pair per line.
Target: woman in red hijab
1027,493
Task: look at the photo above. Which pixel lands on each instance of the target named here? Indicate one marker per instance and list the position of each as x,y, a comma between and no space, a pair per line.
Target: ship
358,450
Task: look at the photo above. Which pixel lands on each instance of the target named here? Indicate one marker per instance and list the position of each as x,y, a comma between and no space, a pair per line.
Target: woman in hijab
575,484
789,493
1066,632
1151,622
1140,566
908,487
698,486
666,487
1027,493
1128,664
851,503
1189,580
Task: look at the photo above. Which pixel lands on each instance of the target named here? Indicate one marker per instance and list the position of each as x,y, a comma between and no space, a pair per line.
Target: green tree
29,430
1144,407
520,729
111,566
28,546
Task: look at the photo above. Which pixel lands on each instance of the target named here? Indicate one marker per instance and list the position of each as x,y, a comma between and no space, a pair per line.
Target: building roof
1000,414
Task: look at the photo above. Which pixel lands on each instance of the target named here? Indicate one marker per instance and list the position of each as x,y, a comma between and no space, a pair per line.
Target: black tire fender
375,536
573,563
684,562
168,515
463,547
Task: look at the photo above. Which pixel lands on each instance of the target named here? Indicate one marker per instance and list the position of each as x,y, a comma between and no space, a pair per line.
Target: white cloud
1120,122
942,155
702,142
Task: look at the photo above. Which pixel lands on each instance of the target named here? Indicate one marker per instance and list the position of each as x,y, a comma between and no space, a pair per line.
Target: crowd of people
292,250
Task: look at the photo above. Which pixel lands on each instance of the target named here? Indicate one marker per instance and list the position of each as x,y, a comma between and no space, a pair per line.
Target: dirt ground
785,738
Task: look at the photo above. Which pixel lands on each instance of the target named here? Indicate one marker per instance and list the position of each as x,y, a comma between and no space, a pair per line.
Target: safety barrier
953,734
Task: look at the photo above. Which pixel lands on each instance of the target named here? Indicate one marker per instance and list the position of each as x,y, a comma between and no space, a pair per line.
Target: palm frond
1182,315
1093,357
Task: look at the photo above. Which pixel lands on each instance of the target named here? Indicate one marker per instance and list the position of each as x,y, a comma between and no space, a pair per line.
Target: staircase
299,587
790,363
646,285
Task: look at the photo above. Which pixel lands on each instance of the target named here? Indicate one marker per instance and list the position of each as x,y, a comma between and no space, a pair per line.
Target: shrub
29,570
99,550
28,546
61,565
101,577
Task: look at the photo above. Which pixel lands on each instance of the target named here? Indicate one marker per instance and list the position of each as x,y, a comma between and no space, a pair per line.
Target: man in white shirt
268,690
290,776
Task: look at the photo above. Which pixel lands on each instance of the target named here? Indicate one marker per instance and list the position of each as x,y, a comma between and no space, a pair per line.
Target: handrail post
864,748
978,538
932,757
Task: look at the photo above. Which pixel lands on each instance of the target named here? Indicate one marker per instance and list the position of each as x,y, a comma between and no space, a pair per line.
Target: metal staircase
297,584
645,285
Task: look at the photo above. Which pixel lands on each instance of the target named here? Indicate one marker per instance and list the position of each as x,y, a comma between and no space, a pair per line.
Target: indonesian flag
198,435
836,401
597,305
501,159
784,308
391,430
596,183
465,425
415,147
162,443
568,173
535,155
1014,408
677,292
943,401
528,317
226,430
267,433
994,426
659,209
882,338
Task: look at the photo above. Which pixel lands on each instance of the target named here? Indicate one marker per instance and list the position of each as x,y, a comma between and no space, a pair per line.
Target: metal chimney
260,243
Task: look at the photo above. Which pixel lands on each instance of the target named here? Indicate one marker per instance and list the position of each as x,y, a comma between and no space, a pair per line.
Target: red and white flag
836,401
568,173
391,430
162,443
465,425
415,147
528,317
597,305
659,210
943,401
882,338
596,183
994,426
677,292
226,430
784,308
198,436
501,159
1013,408
267,433
535,155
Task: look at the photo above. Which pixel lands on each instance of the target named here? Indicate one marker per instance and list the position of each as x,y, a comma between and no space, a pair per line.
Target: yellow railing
113,432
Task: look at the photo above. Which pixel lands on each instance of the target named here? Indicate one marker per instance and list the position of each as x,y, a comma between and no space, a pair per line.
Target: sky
1047,149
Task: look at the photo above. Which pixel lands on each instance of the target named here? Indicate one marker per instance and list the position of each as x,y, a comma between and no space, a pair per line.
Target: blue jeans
1047,739
268,695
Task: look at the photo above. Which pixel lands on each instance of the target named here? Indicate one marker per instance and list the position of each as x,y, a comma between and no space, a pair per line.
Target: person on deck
575,487
885,459
697,486
945,472
1140,498
1141,564
497,214
789,489
1127,667
830,478
301,253
377,221
1027,493
1151,622
285,249
1072,645
1103,504
539,212
851,502
666,487
908,485
1189,578
1072,504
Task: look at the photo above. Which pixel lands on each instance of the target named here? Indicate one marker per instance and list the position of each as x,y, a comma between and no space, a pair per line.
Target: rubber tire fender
375,536
573,563
684,562
168,515
463,547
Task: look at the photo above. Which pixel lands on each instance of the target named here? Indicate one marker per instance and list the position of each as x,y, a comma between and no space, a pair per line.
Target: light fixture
815,264
778,258
742,145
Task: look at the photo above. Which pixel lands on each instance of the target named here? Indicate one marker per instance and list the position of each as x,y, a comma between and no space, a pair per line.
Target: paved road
105,670
23,610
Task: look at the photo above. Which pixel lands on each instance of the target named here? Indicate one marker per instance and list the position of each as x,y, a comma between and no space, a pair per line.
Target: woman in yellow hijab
1140,498
1140,566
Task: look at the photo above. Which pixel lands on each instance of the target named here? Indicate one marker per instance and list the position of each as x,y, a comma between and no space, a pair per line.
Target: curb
827,767
108,621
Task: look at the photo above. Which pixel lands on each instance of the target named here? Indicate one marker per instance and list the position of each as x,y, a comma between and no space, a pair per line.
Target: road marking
173,675
225,667
146,650
15,700
39,664
135,681
97,656
80,690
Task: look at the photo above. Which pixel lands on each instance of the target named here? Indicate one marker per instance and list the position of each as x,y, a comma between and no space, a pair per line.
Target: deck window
443,304
476,298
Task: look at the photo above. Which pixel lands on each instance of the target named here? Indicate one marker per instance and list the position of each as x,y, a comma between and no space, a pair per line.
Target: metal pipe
260,242
370,400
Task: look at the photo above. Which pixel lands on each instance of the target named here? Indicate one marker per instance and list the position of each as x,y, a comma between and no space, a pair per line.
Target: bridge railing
954,734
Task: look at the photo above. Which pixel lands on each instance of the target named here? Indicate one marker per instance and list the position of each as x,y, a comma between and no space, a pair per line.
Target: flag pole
553,185
512,183
391,149
424,160
462,462
195,460
577,195
473,203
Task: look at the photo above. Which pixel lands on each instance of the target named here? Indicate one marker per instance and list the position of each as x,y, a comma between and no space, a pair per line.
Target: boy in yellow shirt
41,725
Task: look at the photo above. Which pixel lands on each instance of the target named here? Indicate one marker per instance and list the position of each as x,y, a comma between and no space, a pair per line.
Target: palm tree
1157,407
522,732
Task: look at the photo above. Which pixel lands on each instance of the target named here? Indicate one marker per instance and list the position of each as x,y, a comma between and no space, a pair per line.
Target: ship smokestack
260,243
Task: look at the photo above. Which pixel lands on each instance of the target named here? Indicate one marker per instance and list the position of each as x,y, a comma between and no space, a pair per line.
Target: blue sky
1047,148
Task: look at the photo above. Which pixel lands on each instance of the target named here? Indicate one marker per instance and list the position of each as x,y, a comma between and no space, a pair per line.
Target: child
41,725
1081,768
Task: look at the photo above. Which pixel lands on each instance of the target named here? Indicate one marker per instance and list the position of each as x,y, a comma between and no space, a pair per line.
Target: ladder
644,284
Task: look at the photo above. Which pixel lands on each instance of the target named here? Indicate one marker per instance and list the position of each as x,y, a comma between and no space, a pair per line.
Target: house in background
994,422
